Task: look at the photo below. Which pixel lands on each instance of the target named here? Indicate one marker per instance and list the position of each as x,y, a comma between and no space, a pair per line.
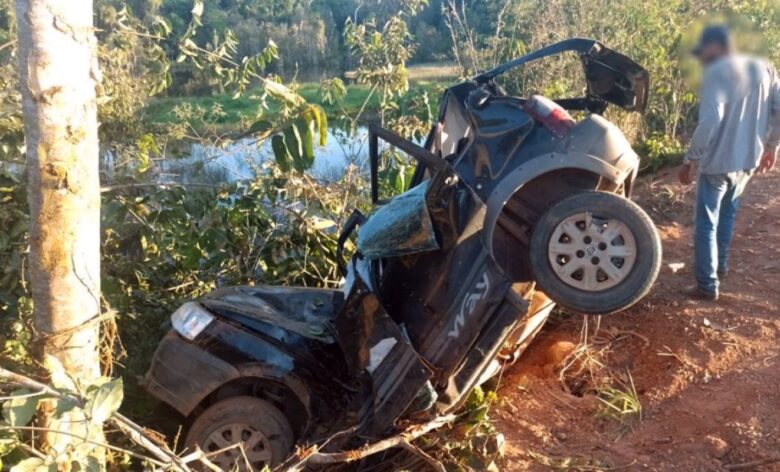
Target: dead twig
202,457
114,188
312,455
424,456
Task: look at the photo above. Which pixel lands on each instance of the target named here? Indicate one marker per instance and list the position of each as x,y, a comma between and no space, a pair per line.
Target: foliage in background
657,33
164,242
162,246
15,304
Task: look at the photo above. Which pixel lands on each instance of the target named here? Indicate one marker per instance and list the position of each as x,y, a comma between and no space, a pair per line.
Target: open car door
610,76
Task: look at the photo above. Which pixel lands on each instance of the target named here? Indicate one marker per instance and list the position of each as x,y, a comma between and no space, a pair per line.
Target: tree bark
58,79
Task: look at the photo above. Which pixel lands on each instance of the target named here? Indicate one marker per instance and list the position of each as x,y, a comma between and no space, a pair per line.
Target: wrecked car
513,203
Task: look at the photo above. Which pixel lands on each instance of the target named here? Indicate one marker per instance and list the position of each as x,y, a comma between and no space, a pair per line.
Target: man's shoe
698,294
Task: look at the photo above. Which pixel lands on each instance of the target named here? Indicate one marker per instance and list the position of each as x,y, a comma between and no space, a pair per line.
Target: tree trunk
58,78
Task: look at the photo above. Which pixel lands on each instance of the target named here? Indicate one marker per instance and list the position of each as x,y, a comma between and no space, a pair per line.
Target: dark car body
435,290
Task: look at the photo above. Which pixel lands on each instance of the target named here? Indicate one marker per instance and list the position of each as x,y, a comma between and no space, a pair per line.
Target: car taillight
553,116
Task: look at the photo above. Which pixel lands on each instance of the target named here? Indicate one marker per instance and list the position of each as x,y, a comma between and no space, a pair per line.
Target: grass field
432,78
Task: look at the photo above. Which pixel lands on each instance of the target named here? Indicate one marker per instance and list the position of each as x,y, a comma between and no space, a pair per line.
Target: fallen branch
312,455
203,458
135,432
113,188
424,456
81,438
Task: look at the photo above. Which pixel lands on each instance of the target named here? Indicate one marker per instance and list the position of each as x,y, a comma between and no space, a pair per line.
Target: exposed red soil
707,374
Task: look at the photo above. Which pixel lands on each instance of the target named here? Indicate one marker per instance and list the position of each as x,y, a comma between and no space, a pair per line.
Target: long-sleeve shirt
739,115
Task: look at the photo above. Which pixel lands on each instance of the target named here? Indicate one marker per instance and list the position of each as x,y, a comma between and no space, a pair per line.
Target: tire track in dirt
707,374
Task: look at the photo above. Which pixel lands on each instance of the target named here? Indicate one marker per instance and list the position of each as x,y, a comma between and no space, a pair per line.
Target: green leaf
162,25
104,400
8,443
189,44
19,410
31,464
280,152
90,463
307,141
260,127
147,146
322,124
197,9
292,139
64,405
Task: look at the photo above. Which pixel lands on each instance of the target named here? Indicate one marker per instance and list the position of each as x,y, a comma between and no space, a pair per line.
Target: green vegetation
621,404
231,113
184,72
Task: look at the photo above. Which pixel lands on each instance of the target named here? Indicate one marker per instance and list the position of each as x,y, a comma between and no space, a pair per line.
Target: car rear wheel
263,432
595,253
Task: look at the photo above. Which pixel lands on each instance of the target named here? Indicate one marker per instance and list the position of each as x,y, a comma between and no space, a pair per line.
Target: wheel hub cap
592,253
238,447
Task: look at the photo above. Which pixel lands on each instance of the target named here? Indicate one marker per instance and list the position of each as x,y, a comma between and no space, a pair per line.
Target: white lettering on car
469,303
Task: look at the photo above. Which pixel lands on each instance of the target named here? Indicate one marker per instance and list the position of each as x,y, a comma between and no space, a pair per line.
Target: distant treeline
309,33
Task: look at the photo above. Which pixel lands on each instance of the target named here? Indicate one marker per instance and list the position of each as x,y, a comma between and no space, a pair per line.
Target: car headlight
190,320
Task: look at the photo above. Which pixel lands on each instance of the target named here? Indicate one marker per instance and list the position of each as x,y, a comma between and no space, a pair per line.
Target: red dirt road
708,374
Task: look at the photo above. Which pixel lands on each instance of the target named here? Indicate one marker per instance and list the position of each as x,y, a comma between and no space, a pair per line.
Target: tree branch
81,438
135,432
8,44
114,188
312,455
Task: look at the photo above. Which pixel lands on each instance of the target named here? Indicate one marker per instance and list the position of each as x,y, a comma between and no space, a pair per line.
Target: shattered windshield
402,226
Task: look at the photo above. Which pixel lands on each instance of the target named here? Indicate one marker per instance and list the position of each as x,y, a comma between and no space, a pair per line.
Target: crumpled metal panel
401,226
182,373
377,350
450,299
304,311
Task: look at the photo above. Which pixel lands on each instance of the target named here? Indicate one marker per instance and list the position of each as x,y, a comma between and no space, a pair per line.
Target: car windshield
402,226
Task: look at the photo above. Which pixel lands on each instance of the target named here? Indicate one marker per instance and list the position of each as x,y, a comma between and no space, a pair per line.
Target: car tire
595,253
264,430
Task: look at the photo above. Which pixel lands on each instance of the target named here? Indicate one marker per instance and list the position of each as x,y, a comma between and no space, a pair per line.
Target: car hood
307,312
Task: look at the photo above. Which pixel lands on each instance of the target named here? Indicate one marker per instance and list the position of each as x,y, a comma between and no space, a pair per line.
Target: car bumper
182,373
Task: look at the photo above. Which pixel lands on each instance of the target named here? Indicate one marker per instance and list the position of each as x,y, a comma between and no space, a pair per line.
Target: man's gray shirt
739,115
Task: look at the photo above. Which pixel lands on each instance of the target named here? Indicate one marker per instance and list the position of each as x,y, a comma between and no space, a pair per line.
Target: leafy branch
98,405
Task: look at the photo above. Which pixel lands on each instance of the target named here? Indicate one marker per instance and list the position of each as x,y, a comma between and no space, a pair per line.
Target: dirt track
710,390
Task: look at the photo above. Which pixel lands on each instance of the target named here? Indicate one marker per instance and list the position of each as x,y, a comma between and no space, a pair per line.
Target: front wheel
242,433
595,253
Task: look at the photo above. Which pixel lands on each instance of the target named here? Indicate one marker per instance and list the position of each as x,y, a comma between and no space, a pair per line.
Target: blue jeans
717,201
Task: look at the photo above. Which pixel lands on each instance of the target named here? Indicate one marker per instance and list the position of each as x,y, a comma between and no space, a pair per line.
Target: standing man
738,132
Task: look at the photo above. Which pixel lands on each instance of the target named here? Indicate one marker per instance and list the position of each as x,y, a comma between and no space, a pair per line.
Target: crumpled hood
307,312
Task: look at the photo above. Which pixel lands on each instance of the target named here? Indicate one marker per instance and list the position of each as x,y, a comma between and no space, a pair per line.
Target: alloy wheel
591,253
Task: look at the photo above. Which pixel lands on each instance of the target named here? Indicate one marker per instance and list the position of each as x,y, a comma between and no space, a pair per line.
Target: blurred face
711,53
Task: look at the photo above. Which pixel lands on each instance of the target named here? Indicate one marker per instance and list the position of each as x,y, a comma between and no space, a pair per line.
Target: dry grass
586,370
621,404
583,368
577,463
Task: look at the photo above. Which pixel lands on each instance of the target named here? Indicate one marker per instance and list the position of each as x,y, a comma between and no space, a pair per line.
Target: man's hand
688,172
768,160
